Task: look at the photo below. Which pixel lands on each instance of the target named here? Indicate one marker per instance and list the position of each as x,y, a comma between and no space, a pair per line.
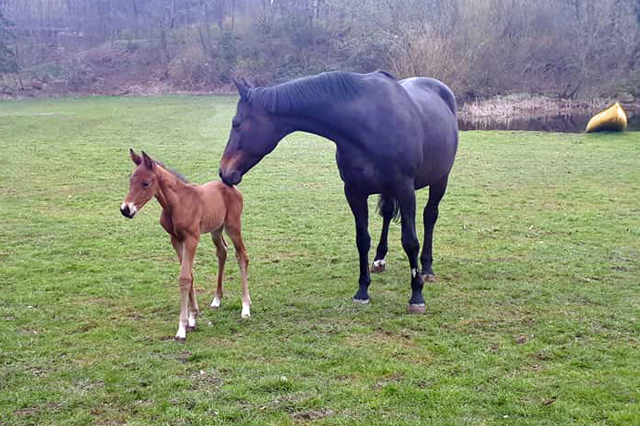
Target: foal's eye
145,185
235,124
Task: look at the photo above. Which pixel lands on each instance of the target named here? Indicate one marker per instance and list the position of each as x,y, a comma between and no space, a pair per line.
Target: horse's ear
135,157
148,161
243,88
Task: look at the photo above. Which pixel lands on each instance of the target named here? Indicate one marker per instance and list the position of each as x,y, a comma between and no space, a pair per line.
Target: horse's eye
145,185
235,124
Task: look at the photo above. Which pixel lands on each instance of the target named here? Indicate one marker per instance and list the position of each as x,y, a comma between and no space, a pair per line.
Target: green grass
534,319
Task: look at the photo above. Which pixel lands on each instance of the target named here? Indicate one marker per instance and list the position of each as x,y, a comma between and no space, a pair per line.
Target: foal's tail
388,206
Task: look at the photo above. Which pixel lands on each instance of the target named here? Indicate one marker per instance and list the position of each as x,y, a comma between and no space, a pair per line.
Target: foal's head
143,184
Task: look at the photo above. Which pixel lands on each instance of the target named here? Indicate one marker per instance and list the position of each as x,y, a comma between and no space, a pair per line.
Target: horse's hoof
191,328
428,278
361,301
180,339
417,309
378,266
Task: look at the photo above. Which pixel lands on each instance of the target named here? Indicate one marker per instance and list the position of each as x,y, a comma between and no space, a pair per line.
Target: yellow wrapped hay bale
612,119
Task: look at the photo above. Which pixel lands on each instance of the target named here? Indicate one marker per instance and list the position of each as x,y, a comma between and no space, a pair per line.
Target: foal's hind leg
436,192
233,228
221,254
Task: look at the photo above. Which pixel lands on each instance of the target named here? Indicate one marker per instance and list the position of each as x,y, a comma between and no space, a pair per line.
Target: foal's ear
243,88
135,157
148,161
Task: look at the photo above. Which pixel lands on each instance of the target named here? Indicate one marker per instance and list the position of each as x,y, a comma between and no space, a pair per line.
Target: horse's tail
388,206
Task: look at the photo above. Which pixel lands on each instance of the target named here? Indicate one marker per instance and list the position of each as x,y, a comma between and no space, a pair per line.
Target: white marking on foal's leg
192,319
182,332
245,310
414,273
215,303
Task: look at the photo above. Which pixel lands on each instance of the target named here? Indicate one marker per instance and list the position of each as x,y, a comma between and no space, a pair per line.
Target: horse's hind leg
233,228
221,254
387,209
411,245
436,192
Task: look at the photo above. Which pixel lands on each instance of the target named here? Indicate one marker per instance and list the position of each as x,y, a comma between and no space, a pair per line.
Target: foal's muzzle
128,210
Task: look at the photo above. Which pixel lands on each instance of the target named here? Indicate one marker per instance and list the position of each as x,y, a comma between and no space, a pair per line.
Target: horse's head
143,184
255,132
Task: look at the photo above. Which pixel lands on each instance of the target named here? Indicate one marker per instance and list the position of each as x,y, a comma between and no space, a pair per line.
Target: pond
567,123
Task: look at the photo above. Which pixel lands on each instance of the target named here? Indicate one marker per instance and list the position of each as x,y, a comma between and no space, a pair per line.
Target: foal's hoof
378,266
428,278
417,309
191,328
361,301
180,339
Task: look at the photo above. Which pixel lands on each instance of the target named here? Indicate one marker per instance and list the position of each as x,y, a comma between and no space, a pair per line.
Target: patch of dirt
183,356
314,414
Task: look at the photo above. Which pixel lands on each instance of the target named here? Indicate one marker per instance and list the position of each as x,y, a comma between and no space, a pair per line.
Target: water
566,123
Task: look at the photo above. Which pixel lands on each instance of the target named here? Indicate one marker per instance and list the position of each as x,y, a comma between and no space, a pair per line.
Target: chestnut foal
188,211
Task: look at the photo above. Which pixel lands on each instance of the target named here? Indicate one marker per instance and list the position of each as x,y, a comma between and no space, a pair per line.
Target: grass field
534,319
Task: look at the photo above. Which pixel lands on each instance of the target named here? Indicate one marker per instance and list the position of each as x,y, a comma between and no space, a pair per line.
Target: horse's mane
305,93
178,175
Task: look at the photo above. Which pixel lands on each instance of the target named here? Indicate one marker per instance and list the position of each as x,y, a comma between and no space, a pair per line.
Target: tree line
570,48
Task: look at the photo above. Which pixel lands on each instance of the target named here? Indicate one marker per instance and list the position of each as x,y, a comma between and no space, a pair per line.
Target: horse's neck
331,121
168,189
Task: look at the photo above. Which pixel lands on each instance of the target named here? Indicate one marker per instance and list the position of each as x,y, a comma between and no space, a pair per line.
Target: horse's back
438,110
421,90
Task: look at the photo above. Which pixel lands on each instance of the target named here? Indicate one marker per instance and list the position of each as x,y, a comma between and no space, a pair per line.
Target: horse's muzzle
230,179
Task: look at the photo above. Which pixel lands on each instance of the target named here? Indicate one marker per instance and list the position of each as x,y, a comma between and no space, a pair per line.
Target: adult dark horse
392,137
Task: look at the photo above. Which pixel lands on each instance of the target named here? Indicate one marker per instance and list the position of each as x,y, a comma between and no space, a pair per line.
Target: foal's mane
178,175
305,93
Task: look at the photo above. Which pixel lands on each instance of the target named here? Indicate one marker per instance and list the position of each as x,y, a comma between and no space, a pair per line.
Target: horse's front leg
185,281
411,245
360,209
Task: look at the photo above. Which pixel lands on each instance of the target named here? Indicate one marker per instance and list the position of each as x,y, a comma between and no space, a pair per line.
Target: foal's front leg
193,303
185,281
